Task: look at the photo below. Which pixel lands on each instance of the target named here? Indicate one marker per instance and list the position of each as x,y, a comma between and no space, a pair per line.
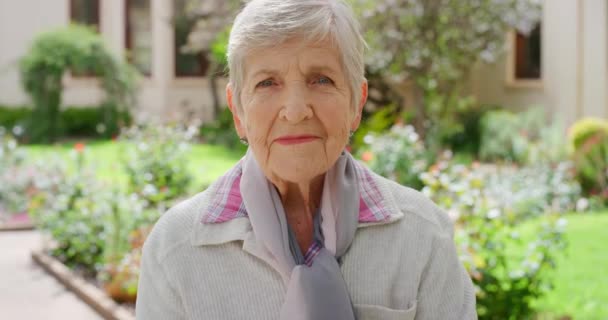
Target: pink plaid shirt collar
228,203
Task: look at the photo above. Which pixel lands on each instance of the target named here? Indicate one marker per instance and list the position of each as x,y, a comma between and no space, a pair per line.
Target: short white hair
268,23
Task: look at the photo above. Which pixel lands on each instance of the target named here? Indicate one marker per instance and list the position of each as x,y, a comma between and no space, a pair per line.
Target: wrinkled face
296,109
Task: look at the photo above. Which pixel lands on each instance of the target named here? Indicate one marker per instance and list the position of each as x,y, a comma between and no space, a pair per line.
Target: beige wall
162,97
574,65
20,21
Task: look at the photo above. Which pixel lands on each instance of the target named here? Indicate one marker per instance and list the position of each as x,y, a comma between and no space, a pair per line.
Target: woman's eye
265,83
324,80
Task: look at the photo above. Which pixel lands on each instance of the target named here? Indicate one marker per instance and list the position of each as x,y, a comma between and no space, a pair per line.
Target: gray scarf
317,291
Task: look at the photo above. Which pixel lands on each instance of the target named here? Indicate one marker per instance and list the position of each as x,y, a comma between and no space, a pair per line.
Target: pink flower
367,156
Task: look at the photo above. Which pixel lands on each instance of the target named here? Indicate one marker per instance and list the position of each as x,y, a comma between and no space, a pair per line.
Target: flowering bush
156,163
508,274
13,185
89,223
398,155
589,143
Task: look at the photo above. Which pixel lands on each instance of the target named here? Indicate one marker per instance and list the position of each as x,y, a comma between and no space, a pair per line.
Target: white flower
582,204
149,190
493,214
453,214
100,128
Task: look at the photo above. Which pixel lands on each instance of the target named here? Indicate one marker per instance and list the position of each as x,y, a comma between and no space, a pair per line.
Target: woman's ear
359,111
235,114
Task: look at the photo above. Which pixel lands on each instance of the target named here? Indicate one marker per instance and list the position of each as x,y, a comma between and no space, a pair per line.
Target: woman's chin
299,170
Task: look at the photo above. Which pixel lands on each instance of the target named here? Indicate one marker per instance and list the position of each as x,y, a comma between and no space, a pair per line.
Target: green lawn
581,277
206,162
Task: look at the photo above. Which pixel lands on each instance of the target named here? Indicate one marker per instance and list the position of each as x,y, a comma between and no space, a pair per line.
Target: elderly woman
298,229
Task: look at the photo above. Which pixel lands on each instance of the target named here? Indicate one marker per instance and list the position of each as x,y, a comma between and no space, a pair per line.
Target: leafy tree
432,45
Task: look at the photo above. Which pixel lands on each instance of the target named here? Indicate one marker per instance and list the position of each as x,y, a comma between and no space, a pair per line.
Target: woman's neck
304,195
300,201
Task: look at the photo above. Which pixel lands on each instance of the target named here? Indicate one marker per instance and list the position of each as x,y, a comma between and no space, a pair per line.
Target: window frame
512,80
71,11
128,45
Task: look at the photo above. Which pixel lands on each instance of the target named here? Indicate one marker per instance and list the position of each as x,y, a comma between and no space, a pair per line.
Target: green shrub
155,162
584,129
377,122
90,122
468,140
589,143
222,132
73,121
510,270
72,209
523,138
502,138
75,48
398,155
90,223
15,181
14,116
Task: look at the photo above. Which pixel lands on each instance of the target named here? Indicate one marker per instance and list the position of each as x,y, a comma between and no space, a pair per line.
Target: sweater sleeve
156,297
446,290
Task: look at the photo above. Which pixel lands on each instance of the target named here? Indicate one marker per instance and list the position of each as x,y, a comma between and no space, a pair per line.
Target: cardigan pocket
378,312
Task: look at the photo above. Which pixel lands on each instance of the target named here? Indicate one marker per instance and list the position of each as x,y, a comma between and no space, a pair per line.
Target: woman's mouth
295,139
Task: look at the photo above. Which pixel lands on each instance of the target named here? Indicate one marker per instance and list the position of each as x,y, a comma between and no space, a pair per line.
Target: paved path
26,291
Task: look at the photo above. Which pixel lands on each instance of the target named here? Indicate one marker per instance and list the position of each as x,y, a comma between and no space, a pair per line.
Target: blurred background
111,111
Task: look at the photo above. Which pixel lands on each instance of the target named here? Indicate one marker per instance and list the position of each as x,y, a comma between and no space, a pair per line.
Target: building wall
574,65
20,21
161,97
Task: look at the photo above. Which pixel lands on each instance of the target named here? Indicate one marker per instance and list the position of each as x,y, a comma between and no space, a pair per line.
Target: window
138,35
85,12
186,64
528,55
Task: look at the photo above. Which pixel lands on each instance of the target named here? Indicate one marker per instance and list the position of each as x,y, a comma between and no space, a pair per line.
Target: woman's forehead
321,57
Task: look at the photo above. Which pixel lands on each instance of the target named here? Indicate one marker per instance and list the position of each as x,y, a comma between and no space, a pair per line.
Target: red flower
79,147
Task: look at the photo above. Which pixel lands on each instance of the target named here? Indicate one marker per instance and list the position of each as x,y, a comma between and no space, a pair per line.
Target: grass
581,278
205,162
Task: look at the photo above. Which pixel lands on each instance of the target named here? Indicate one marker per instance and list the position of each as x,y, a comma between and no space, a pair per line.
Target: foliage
433,44
522,138
13,116
156,165
580,282
72,209
467,140
222,132
585,129
124,272
398,155
374,123
13,186
589,142
79,49
73,121
486,234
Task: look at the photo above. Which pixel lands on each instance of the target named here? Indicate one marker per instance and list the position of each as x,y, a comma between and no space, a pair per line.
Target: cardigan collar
225,218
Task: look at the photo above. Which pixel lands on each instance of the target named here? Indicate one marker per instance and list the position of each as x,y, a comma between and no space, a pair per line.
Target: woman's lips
288,140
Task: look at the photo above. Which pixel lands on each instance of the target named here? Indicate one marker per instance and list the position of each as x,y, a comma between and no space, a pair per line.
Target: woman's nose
296,105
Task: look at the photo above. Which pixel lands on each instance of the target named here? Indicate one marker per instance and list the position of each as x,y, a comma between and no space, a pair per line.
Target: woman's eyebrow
264,72
322,69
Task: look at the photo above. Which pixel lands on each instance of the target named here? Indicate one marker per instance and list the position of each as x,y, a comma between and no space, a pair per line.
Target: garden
528,195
